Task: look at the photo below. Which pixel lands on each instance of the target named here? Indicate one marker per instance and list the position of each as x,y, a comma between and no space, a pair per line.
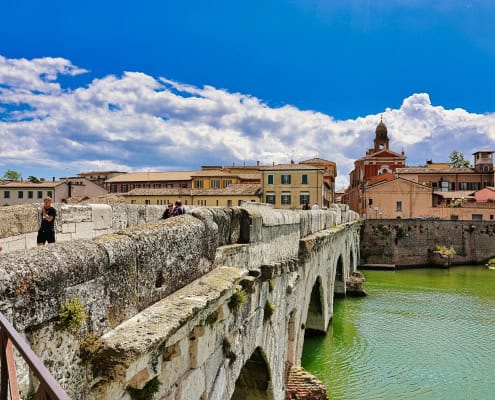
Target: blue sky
158,85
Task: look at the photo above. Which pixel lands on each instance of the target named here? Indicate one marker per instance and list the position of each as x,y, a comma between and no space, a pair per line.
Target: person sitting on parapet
46,233
315,206
178,209
168,212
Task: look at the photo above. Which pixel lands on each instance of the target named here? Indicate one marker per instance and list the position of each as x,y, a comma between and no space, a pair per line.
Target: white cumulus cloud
134,121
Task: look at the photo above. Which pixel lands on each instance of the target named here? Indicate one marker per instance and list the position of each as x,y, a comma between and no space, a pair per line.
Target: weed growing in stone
237,300
211,319
88,346
269,310
71,315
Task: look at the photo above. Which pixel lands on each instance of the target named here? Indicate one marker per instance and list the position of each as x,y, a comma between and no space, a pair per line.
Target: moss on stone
211,319
71,315
237,300
147,392
271,285
269,310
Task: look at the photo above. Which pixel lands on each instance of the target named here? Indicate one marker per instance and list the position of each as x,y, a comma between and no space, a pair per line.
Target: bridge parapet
118,275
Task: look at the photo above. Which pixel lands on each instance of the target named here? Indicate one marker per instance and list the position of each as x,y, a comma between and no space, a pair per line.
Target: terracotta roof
213,173
455,194
317,161
380,178
30,185
159,192
249,176
152,176
282,167
424,170
101,172
246,189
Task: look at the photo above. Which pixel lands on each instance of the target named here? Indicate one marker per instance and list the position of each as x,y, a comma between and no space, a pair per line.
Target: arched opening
254,381
316,318
339,286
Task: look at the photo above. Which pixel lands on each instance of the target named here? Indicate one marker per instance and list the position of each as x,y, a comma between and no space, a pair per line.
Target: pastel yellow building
291,186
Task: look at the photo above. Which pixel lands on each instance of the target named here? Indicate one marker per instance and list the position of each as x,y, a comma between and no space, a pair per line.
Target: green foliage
12,175
88,346
457,160
237,300
491,261
147,392
271,285
33,179
446,252
71,315
269,310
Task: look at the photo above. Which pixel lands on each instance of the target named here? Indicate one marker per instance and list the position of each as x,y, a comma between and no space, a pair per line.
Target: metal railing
48,389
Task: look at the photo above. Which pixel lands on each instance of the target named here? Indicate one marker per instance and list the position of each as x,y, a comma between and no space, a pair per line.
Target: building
80,187
293,185
454,179
99,177
329,175
213,179
379,160
149,180
232,195
13,193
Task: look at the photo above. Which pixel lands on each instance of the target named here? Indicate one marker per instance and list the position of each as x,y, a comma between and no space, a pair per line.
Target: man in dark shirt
46,232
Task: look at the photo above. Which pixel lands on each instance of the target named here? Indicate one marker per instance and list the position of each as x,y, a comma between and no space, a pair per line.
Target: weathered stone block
17,220
192,385
203,340
69,227
84,230
101,216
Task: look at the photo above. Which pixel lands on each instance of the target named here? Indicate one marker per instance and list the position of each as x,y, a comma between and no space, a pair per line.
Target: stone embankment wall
186,308
19,224
413,242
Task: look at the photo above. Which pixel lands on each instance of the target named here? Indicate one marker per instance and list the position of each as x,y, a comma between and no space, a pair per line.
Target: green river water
419,334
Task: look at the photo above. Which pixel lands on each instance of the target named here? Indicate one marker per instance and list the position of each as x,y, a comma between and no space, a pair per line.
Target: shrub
71,315
269,310
237,300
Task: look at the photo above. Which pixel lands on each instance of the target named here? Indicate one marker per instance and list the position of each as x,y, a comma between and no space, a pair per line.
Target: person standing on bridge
315,206
46,233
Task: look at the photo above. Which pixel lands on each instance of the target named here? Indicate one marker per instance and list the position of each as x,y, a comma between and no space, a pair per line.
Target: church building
379,164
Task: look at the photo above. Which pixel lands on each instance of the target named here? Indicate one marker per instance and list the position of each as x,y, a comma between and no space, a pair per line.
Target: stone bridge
210,305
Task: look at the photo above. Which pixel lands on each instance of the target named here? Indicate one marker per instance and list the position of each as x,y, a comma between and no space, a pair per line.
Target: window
49,194
463,186
285,179
486,168
157,185
30,194
229,203
169,185
454,217
40,194
125,187
227,183
304,179
113,188
270,198
147,202
491,217
6,194
370,202
215,183
239,202
285,198
198,184
398,206
445,186
270,179
477,217
183,185
304,198
20,194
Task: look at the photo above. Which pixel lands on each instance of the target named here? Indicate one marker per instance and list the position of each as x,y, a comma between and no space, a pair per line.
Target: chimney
257,163
53,179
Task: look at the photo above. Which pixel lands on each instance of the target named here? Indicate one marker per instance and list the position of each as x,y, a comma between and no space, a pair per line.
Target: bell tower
381,137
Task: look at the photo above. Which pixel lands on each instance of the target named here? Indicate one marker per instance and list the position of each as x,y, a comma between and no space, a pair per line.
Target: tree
33,179
12,175
457,160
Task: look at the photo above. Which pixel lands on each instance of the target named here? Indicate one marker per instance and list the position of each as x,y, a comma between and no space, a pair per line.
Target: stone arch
254,381
292,331
315,319
339,281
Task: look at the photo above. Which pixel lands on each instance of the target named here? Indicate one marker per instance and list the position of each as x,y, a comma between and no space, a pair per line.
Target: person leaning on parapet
305,206
168,212
46,233
178,209
315,206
